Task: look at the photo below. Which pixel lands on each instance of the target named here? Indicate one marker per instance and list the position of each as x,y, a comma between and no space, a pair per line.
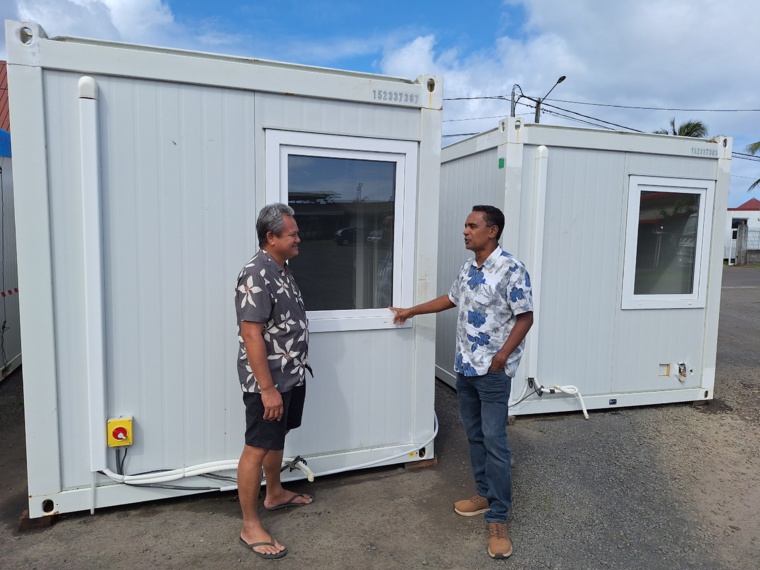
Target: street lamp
538,102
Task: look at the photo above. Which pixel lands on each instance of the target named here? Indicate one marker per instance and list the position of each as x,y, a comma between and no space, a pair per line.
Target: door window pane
666,243
345,212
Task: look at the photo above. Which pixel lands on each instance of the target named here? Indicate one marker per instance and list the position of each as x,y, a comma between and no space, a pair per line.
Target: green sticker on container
501,163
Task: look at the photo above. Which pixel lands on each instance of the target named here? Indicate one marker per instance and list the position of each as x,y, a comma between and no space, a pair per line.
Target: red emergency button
120,432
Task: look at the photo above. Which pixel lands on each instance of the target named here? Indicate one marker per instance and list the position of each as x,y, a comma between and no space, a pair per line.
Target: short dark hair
270,220
493,217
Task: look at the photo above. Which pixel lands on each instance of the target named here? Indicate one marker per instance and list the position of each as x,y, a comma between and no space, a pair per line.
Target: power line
659,108
750,156
571,118
593,118
589,118
577,120
473,119
639,107
741,156
737,155
503,97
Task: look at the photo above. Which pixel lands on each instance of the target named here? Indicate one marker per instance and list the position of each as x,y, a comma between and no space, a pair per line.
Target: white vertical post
537,250
420,232
93,270
35,262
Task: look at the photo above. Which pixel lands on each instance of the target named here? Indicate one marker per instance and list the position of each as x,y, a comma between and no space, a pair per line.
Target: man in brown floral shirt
273,357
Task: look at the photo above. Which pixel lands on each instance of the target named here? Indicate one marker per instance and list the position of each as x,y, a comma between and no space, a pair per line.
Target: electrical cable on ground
541,390
158,478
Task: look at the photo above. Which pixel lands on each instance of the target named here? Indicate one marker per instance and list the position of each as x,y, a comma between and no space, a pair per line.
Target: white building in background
748,213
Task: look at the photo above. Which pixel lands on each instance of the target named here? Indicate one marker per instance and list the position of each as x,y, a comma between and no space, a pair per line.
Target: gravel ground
675,486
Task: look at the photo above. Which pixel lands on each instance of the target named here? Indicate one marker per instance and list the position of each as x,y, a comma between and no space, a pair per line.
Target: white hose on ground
572,390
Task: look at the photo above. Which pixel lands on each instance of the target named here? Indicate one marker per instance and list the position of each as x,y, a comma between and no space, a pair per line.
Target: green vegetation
754,148
690,128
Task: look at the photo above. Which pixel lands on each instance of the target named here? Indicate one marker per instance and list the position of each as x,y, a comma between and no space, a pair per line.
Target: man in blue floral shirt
272,360
495,312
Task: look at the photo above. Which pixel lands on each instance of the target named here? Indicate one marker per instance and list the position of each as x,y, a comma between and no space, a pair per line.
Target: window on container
666,255
345,209
354,202
665,245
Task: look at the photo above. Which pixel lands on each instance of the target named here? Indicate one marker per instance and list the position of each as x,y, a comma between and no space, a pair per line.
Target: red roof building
751,204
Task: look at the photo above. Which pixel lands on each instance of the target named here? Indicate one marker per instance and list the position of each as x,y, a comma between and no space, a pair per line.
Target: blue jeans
484,404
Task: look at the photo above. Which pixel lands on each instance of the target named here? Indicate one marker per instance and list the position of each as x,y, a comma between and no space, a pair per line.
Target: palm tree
690,128
754,148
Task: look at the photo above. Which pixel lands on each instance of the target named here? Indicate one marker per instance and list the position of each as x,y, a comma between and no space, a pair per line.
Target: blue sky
346,34
658,54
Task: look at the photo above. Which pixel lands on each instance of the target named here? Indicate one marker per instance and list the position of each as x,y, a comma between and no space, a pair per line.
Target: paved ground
671,486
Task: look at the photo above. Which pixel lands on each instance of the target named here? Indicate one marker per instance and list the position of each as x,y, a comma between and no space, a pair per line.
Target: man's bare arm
435,306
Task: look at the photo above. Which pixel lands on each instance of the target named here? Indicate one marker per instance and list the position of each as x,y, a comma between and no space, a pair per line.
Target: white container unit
622,235
139,175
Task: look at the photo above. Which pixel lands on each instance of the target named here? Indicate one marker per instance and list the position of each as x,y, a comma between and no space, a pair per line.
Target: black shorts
268,434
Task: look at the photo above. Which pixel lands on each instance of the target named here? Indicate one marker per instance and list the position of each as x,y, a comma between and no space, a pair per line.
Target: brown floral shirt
267,294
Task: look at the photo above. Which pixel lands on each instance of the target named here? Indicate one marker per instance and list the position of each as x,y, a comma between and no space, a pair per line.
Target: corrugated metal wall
10,356
582,266
178,207
644,339
465,182
183,183
585,338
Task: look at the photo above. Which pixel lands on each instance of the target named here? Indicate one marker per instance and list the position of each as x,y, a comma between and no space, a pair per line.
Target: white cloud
410,59
695,54
65,18
655,53
139,21
330,50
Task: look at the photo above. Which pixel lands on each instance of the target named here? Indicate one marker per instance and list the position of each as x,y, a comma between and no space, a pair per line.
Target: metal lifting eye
26,35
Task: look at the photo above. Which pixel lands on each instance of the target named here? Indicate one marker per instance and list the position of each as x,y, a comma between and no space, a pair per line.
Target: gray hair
270,220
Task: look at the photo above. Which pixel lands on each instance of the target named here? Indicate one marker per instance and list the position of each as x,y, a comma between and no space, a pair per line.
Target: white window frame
281,144
705,189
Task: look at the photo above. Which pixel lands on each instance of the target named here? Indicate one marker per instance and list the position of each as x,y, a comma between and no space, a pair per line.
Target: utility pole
514,100
538,101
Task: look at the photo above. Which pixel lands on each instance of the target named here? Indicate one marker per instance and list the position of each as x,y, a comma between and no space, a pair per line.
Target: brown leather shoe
475,505
499,545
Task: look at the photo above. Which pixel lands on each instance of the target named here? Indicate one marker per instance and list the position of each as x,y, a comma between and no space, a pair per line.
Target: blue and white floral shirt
489,298
266,293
